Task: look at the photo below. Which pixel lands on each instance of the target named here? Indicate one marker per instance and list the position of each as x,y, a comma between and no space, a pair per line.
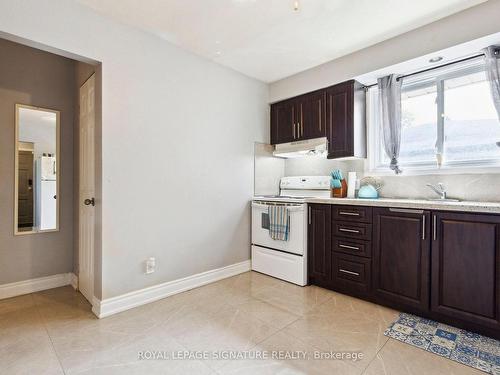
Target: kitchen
384,188
250,187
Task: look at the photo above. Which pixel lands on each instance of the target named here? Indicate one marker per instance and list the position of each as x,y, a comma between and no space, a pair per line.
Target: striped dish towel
279,222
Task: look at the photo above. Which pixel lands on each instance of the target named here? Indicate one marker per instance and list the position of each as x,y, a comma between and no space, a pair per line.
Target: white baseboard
35,285
140,297
73,281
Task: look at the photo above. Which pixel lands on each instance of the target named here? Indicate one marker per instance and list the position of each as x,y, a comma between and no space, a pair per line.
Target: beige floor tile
270,314
295,299
397,358
153,368
29,355
48,331
276,348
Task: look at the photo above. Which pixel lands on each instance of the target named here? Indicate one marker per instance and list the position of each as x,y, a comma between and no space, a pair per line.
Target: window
446,114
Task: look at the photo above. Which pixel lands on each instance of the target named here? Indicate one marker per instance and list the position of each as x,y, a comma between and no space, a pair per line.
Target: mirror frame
16,170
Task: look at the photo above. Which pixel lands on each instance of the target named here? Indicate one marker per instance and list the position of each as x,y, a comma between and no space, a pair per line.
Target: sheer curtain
389,89
492,64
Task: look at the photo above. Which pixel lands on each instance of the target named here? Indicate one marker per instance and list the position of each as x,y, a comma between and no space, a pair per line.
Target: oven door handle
291,208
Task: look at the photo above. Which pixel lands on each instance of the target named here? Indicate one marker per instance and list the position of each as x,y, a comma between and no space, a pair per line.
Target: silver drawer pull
406,211
348,213
349,272
349,247
348,230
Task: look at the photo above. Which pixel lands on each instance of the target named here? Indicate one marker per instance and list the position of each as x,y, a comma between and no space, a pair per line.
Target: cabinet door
340,119
311,119
319,244
465,267
401,252
283,122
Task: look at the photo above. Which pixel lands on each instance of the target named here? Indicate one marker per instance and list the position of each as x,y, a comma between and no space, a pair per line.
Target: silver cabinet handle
348,230
434,228
348,247
423,227
348,272
406,211
319,107
294,130
309,214
348,213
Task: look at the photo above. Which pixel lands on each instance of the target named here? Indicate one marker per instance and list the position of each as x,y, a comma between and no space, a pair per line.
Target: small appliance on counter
369,188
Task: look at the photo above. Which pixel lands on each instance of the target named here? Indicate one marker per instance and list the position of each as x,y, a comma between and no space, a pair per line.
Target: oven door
260,227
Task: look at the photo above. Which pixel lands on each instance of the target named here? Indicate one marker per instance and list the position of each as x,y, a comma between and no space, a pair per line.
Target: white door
87,190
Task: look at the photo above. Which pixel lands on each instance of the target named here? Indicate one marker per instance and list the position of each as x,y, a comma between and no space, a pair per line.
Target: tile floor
54,332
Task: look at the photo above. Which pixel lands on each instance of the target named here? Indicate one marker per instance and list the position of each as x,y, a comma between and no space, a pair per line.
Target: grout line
375,356
37,307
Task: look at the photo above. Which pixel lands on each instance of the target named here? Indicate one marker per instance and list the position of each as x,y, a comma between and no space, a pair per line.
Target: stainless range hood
308,147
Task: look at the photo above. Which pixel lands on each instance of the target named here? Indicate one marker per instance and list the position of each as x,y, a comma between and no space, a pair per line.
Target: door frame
81,198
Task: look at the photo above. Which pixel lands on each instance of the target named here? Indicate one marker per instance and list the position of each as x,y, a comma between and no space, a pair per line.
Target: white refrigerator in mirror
46,193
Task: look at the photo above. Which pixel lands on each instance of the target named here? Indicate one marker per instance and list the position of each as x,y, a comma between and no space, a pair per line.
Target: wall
268,170
462,27
177,145
472,187
30,76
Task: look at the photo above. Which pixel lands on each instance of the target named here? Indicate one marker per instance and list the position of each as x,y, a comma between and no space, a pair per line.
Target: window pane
419,128
471,125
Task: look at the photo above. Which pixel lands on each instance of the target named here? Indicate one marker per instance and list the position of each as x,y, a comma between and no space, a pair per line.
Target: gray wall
177,145
470,24
34,77
462,27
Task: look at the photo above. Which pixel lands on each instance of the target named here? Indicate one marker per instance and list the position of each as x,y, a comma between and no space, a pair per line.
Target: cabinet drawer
352,230
352,246
352,213
351,273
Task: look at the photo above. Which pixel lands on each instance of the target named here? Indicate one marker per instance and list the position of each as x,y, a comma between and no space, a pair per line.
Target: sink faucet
439,189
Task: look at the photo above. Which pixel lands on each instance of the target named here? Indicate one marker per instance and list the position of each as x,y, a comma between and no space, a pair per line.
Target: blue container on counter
367,192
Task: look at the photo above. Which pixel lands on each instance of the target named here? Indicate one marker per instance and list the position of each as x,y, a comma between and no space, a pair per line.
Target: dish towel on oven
279,222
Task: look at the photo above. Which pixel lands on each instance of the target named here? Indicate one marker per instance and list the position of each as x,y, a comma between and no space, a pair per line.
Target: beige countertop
422,204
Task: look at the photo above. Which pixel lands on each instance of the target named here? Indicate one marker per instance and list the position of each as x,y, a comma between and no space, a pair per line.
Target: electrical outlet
150,265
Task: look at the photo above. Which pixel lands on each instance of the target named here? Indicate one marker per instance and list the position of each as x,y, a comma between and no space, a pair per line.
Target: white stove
286,260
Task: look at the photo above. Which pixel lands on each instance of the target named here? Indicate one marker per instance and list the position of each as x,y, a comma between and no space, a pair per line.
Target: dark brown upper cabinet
311,110
466,267
336,112
283,117
401,257
299,118
345,120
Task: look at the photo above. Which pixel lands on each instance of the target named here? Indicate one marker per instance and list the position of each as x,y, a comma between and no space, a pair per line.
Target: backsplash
472,187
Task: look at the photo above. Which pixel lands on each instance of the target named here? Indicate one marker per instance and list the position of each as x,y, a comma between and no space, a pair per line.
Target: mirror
36,170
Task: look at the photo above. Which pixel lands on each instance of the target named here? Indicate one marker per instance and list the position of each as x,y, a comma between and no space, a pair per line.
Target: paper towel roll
351,185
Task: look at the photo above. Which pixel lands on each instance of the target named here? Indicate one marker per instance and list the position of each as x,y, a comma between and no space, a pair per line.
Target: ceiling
268,39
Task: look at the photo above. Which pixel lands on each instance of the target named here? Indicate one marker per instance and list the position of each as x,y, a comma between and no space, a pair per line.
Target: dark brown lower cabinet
441,265
351,274
466,267
319,244
401,256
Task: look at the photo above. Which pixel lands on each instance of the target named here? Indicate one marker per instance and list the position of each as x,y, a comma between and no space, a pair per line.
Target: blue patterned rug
471,349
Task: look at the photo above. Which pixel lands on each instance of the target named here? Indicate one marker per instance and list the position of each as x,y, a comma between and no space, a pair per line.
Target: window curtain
492,63
389,89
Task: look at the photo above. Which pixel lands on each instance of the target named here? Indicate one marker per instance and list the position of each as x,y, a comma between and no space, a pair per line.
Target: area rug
471,349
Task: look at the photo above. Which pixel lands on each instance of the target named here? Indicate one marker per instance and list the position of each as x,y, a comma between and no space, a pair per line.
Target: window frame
429,78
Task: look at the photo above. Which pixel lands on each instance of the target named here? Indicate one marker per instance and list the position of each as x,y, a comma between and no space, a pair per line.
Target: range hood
308,147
